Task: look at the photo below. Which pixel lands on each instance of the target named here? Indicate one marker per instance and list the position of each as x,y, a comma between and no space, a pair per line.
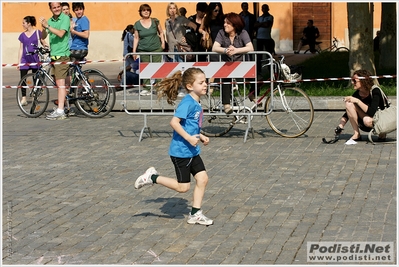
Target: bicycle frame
291,103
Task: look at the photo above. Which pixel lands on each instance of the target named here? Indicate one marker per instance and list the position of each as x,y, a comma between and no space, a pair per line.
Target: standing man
197,18
309,35
80,32
249,20
264,41
66,11
57,27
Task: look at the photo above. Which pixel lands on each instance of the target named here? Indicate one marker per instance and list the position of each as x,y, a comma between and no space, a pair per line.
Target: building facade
109,19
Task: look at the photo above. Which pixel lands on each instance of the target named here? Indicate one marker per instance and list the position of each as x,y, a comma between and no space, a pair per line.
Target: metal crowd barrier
238,72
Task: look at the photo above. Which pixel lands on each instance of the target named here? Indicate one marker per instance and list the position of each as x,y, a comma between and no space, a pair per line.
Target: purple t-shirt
27,47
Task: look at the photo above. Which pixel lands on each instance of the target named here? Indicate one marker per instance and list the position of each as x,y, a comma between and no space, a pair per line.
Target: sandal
338,130
228,109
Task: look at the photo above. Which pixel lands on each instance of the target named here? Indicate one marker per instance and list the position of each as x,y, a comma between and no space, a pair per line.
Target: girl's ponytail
169,87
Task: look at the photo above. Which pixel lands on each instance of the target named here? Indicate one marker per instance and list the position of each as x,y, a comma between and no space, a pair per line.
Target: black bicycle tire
31,113
91,71
287,124
107,103
223,123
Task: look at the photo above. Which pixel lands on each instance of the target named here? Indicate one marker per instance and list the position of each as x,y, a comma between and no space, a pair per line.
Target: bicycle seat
318,43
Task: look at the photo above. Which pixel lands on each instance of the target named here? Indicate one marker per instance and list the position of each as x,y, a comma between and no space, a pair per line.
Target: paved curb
320,103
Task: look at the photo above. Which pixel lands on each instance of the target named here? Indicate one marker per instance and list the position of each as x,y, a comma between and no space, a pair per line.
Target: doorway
321,15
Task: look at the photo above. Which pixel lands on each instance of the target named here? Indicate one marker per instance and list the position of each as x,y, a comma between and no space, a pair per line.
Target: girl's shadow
173,208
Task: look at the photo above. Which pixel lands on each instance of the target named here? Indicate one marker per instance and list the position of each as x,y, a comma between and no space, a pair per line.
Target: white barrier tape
58,63
216,83
332,79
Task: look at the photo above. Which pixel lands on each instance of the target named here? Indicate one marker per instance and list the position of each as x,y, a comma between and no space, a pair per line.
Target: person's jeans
177,57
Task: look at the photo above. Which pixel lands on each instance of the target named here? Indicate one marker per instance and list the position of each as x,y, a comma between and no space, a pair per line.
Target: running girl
184,148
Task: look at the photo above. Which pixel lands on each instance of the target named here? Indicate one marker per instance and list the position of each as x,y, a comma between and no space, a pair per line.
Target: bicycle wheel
292,113
37,95
342,49
243,118
91,71
212,124
95,97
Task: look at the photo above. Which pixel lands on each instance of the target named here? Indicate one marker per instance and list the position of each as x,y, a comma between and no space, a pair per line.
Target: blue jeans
177,57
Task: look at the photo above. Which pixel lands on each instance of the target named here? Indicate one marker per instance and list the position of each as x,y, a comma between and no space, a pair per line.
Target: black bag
186,47
192,39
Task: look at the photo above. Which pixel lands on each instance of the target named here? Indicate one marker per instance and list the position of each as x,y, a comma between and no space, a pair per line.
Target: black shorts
184,167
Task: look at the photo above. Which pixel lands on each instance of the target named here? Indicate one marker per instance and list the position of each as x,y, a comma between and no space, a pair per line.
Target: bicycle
90,90
333,48
288,109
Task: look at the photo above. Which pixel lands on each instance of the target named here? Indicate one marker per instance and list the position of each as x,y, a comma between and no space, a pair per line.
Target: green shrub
335,65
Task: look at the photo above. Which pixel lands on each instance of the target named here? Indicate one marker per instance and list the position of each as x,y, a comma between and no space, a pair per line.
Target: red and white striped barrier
211,69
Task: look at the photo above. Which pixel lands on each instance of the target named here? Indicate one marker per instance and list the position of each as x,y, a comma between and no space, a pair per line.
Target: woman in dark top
213,21
231,42
362,105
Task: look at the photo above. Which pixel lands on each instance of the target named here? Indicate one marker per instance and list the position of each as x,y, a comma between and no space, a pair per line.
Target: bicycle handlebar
39,50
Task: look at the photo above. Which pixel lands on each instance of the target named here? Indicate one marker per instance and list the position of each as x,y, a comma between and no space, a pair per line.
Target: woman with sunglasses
232,42
212,22
361,106
148,37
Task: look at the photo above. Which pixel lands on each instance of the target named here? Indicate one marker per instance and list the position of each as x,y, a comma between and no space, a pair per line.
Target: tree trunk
360,24
388,37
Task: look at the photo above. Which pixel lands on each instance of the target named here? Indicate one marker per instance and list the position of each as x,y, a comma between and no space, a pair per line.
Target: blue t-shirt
191,114
79,43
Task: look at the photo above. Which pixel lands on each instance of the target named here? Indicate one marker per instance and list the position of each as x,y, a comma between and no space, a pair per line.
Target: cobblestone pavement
69,197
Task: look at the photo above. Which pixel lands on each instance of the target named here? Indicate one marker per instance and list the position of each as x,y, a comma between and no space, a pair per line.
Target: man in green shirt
58,27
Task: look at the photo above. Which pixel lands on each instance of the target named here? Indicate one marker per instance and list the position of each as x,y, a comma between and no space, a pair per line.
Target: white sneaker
144,92
351,142
145,179
199,218
55,115
24,102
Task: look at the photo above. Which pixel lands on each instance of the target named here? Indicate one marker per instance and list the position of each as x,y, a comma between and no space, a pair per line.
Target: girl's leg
196,216
172,183
199,189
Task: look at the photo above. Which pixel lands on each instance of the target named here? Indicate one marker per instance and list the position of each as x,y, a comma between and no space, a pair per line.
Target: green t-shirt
59,46
148,38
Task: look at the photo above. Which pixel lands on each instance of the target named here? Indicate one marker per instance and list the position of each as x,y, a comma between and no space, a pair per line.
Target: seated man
309,36
132,78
